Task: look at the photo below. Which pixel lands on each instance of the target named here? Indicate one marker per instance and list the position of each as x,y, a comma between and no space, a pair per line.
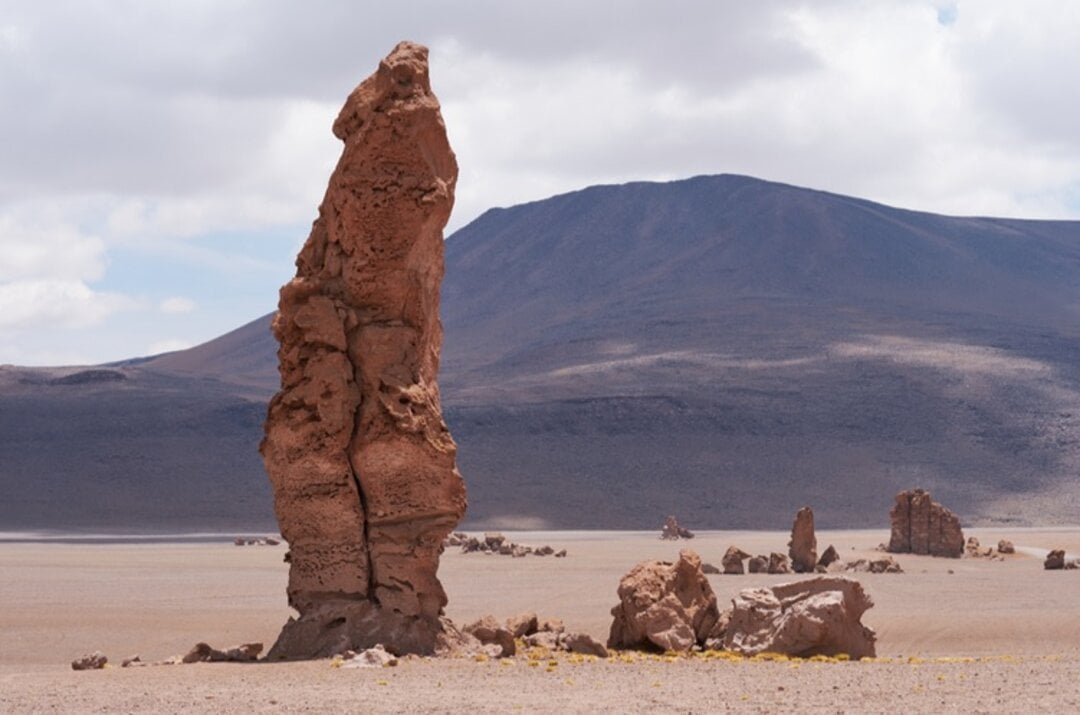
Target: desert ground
954,635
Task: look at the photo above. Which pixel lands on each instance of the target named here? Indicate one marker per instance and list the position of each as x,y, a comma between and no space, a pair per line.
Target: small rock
708,569
1055,560
828,556
552,625
560,554
583,643
732,560
376,657
523,625
544,551
488,631
758,564
778,563
93,661
494,540
1006,547
543,639
132,661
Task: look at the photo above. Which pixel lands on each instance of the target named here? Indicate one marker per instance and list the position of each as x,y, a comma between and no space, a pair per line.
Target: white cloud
42,304
177,305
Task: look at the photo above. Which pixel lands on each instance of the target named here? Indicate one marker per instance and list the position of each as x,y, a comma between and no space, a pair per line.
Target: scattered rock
560,554
663,605
974,550
1006,547
93,661
778,563
522,625
883,565
543,639
132,661
361,462
489,632
584,644
732,560
922,526
829,556
758,564
815,616
672,530
552,625
802,548
498,544
204,653
1055,560
709,569
376,657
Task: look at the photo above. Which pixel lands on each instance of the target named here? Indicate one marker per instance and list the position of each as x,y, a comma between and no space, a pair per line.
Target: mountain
723,348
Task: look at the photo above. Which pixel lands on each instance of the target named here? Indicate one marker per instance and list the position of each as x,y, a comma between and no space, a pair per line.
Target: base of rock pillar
334,627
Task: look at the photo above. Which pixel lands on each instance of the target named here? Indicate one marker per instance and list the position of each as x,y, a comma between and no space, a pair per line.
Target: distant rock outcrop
664,606
828,557
672,530
922,526
803,545
732,560
361,462
1055,560
817,616
1006,547
778,563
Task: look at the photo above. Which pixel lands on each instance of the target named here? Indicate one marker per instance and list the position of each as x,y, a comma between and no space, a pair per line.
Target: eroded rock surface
815,616
361,462
732,561
922,526
664,606
803,545
672,530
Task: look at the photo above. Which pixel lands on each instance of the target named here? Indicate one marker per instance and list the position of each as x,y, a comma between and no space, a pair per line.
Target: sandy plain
967,635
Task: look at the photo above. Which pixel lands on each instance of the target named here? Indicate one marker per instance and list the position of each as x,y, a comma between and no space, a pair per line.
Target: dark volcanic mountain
722,348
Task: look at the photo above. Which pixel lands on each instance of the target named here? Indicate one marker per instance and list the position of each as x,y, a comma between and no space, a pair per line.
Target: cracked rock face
920,525
361,462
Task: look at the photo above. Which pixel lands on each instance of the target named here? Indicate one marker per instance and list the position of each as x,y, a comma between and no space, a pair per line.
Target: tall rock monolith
919,525
361,462
803,545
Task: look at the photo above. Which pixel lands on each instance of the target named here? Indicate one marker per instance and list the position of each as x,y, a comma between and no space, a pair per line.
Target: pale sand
1019,623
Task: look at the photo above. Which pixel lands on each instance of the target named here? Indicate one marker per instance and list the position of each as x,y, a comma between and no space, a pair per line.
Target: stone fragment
815,616
758,564
490,632
553,625
672,530
920,525
543,639
376,657
802,548
664,605
1055,560
132,661
522,625
828,556
1006,547
732,560
93,661
584,644
778,563
708,569
361,462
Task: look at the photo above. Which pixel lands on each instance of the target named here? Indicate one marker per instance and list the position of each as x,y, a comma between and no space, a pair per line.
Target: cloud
176,305
167,346
42,304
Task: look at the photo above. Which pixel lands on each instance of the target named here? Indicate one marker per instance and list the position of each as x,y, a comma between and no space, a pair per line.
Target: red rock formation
732,561
361,462
803,545
664,606
816,616
922,526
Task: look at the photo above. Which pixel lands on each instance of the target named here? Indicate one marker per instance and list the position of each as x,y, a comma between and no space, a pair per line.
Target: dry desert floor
954,635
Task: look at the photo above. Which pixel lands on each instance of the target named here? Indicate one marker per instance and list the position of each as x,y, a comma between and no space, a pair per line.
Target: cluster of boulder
493,543
671,530
200,653
499,640
802,556
671,607
1055,560
253,541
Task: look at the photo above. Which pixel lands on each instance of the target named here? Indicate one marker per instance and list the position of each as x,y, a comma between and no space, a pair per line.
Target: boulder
490,632
802,548
543,639
543,551
708,569
560,554
93,661
758,564
778,563
584,644
361,462
494,540
815,616
732,560
1006,547
205,653
522,625
1055,560
828,556
664,606
920,525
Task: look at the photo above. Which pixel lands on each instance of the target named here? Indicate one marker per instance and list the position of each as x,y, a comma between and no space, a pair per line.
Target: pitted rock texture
815,616
664,606
361,462
803,545
922,526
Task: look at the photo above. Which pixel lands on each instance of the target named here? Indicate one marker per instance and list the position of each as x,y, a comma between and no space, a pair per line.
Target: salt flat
983,636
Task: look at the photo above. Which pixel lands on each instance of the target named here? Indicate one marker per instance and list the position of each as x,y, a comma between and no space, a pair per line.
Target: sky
161,162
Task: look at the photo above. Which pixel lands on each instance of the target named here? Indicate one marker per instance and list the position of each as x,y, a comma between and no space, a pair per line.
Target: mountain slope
723,348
